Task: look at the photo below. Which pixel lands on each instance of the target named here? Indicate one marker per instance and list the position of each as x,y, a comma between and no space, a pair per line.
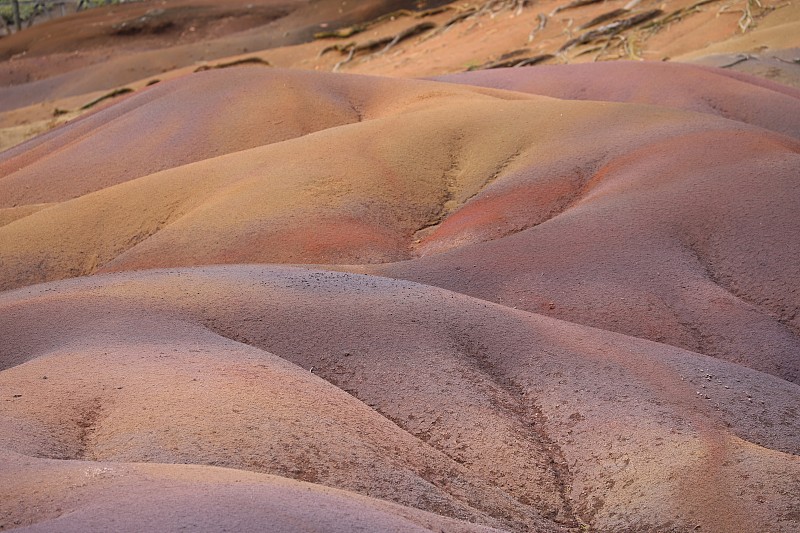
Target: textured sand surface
49,72
475,186
401,296
472,409
127,497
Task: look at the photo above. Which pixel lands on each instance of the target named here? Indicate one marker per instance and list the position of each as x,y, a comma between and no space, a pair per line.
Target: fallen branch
487,7
347,60
493,7
676,15
795,61
603,18
611,29
515,62
602,49
343,33
574,4
337,48
521,4
534,60
508,57
236,63
432,12
383,44
741,58
747,19
455,20
408,33
112,94
588,51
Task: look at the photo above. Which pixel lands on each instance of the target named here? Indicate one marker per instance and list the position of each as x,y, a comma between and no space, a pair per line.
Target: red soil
555,298
182,370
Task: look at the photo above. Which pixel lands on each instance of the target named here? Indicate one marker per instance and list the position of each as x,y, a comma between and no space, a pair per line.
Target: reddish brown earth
455,405
550,298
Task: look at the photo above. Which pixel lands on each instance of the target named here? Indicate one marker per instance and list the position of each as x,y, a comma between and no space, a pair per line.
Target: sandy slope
479,411
474,185
717,92
79,496
557,298
50,69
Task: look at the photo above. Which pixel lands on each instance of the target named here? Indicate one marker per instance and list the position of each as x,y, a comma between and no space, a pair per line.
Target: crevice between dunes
785,317
519,411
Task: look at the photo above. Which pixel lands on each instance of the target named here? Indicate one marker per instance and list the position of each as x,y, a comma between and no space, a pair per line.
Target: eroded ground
560,297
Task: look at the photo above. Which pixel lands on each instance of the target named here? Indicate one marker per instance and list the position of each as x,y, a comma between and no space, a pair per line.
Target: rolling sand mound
202,116
474,187
208,400
718,92
496,415
100,49
559,298
118,496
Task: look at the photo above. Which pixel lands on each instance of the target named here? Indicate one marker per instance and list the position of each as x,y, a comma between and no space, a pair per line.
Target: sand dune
718,92
558,298
183,370
196,398
473,186
101,49
235,110
51,73
80,496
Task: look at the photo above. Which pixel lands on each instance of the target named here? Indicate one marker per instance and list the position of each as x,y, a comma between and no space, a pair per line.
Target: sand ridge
476,361
52,75
443,175
241,291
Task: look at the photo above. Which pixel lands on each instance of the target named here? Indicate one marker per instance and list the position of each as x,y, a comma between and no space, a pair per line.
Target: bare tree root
344,33
505,61
379,46
454,20
574,4
676,16
236,63
542,23
112,94
408,33
603,18
611,29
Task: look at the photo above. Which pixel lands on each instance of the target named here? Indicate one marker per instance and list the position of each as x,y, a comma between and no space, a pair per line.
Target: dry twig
383,44
516,62
112,94
603,18
454,20
236,63
747,16
574,4
343,33
542,23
